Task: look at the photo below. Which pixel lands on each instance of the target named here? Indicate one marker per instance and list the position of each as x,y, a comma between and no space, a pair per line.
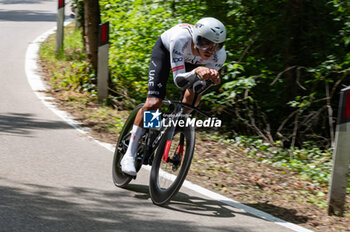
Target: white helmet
210,29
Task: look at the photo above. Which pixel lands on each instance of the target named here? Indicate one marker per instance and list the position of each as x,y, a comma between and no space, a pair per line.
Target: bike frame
153,142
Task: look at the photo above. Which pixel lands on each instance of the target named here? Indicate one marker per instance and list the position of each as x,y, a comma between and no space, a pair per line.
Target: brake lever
208,84
201,86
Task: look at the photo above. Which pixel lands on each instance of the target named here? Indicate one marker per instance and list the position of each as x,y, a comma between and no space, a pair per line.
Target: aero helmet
209,31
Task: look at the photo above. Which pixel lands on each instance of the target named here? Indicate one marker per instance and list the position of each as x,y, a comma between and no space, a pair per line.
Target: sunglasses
206,44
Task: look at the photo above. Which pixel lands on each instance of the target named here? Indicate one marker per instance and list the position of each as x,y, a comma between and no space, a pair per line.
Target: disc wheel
169,171
119,178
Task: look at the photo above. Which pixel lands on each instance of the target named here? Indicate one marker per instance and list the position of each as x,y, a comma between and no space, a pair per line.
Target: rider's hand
208,74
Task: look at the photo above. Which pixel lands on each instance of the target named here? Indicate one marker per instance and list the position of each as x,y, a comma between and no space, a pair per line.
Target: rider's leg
128,161
158,75
188,99
152,103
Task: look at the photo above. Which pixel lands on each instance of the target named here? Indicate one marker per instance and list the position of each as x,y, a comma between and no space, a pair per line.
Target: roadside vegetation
287,61
266,74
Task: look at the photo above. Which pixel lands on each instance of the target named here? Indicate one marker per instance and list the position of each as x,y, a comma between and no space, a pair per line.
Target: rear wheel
171,164
119,178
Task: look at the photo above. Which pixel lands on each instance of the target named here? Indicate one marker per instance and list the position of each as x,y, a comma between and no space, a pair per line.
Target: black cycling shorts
159,70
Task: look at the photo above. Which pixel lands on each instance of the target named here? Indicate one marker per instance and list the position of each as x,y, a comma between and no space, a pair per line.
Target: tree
91,23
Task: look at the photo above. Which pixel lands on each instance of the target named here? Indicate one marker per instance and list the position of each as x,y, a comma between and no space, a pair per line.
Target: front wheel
171,164
119,178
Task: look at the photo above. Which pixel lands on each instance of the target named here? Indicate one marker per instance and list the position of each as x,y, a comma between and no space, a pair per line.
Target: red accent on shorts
178,68
132,137
166,150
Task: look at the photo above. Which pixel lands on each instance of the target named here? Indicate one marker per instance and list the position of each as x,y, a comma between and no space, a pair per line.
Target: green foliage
135,27
79,5
70,69
290,54
287,60
83,78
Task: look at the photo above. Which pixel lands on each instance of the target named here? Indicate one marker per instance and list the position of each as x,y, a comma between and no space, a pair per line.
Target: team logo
177,53
178,59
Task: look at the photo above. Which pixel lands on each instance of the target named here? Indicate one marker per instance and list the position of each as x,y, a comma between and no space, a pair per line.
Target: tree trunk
290,53
92,21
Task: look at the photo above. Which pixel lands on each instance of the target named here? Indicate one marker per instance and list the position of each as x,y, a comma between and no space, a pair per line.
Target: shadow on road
188,204
185,203
199,206
280,212
22,124
28,207
27,16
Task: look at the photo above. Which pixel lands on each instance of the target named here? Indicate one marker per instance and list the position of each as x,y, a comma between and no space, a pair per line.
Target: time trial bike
169,149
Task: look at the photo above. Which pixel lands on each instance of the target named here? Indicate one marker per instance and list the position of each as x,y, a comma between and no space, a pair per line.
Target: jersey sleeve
177,61
218,60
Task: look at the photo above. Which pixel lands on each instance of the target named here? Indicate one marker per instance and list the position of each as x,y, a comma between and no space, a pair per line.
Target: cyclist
190,52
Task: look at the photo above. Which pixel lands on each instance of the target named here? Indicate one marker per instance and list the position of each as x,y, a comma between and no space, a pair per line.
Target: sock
136,134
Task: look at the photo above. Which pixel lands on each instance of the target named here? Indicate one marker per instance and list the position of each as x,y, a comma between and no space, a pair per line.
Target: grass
73,81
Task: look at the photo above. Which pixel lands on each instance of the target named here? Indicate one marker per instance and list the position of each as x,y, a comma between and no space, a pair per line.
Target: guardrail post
60,26
102,62
341,157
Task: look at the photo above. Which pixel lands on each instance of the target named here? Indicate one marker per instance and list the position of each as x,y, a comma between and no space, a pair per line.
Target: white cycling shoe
128,165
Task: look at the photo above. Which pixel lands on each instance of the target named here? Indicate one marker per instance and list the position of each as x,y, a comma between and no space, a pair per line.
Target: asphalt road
53,178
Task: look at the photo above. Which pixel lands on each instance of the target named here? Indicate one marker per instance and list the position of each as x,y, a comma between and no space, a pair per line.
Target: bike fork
178,152
180,148
169,138
170,134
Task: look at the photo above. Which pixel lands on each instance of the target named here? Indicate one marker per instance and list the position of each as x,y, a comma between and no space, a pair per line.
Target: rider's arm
212,73
218,61
182,78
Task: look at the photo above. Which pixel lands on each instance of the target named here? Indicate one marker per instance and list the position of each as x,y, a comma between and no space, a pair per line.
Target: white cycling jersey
177,40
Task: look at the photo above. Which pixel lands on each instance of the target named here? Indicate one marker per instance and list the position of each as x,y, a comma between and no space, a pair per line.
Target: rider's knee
152,103
188,97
